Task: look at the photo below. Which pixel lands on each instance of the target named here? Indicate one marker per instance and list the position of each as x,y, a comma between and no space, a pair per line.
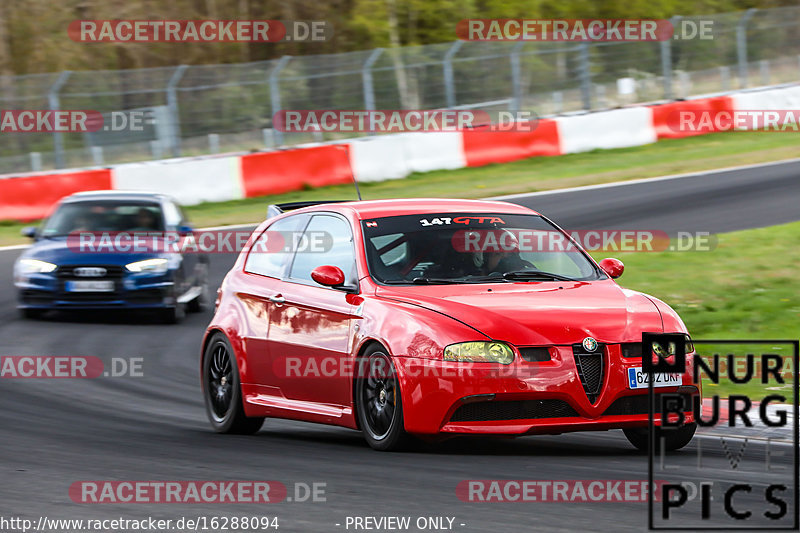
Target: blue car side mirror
29,231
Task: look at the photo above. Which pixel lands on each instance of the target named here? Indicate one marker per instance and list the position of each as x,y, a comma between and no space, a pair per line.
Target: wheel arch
236,346
365,345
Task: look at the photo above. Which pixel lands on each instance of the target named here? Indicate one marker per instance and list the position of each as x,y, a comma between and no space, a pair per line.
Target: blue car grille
67,273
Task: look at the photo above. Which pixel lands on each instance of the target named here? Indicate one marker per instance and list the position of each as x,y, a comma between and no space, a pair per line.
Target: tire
222,390
674,438
200,303
173,315
379,403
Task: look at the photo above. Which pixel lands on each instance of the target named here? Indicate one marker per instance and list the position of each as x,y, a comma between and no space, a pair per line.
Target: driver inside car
501,258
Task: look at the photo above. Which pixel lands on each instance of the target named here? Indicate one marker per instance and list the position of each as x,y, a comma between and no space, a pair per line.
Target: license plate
89,286
638,379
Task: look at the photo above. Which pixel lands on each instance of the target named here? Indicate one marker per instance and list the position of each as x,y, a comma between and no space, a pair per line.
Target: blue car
60,271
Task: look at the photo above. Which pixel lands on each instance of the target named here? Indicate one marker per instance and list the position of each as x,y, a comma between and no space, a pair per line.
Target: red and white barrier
192,181
618,128
377,158
483,147
292,170
783,99
32,196
436,150
666,118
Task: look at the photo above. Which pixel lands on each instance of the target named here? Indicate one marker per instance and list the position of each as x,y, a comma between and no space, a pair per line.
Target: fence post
36,161
516,78
97,155
449,85
585,76
53,100
213,143
666,60
172,105
741,45
366,78
763,68
725,78
275,95
268,137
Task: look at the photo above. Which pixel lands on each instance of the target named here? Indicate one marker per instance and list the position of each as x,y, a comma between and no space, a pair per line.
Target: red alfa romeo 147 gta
432,318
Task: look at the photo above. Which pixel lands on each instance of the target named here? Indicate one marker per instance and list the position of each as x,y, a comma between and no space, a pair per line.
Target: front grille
512,410
67,273
591,368
639,404
537,354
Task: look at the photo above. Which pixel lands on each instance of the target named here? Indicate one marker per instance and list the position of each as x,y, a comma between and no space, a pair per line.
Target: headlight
479,352
660,351
34,266
156,266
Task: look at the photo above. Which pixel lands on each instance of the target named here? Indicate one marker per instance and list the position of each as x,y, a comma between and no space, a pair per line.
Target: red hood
530,314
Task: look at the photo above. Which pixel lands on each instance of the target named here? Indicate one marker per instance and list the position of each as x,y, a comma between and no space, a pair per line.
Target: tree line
34,39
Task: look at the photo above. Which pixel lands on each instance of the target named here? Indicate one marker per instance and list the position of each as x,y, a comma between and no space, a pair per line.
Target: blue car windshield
104,217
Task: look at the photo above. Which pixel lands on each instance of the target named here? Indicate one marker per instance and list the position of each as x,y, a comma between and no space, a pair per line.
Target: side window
337,233
262,259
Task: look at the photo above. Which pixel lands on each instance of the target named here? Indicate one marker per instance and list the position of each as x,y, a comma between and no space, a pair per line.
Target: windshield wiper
420,281
435,281
522,275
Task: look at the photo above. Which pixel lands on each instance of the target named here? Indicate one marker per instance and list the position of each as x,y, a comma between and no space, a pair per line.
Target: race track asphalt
56,432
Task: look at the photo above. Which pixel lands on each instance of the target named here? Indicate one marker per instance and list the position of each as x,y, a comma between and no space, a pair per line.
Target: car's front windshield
444,248
104,216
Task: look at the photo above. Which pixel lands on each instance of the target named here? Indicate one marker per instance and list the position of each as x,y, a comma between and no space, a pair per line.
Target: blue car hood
57,251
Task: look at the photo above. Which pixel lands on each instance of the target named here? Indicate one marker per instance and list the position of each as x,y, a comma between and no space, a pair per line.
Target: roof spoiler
277,209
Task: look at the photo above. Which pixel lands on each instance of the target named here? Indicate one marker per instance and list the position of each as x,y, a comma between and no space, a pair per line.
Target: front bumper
524,397
131,291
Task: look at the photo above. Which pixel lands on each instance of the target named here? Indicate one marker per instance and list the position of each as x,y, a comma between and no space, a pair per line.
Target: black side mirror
29,231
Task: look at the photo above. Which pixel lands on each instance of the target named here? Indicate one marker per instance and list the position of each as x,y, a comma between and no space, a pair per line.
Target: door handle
277,299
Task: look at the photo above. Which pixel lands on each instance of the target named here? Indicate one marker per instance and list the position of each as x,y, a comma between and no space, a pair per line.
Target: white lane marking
541,193
14,247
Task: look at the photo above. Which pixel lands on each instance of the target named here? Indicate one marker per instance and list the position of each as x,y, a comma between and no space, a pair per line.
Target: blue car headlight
157,265
26,267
